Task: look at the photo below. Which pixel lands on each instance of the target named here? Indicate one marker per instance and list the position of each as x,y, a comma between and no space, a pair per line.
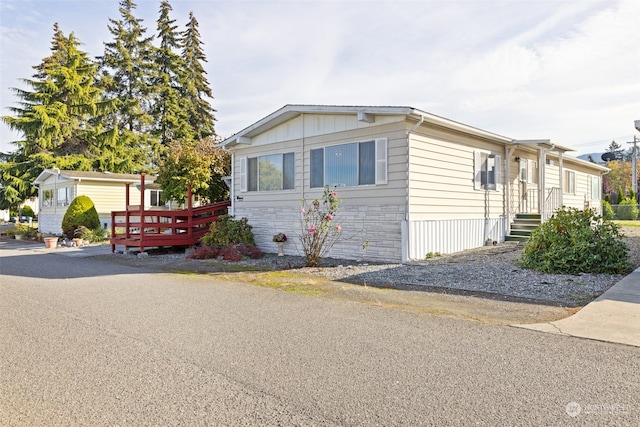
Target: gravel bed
488,271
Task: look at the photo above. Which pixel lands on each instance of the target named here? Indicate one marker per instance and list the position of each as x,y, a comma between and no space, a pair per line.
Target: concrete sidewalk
613,317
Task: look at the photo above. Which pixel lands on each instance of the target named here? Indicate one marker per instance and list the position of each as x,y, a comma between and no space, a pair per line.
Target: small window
595,187
47,198
533,172
524,175
156,197
486,171
570,182
271,172
63,196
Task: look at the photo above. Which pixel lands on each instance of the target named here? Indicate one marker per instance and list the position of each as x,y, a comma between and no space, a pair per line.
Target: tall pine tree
172,119
196,91
58,119
127,66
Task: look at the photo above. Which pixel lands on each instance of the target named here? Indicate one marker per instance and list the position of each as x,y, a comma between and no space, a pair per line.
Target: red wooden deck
141,228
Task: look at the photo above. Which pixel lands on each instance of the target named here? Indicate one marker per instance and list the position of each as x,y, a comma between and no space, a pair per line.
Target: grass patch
186,272
279,280
627,223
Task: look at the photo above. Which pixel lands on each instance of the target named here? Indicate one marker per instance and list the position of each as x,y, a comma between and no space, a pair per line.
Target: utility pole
634,163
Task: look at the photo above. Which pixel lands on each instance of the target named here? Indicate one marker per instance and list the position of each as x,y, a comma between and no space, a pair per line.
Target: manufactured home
410,182
57,188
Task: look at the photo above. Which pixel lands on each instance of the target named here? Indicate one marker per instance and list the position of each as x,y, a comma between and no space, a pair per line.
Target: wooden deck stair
522,226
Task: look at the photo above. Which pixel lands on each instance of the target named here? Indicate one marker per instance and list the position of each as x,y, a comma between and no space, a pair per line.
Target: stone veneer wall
50,223
379,225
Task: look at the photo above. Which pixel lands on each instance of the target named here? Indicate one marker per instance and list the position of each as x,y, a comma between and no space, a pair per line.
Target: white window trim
570,182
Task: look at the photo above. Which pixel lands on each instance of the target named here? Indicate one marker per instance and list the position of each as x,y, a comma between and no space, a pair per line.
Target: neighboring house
57,188
411,182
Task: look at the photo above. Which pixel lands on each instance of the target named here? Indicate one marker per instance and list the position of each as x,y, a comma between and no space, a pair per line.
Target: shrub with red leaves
205,252
233,253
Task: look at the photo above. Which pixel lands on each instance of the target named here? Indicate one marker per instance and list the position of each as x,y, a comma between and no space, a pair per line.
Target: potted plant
280,238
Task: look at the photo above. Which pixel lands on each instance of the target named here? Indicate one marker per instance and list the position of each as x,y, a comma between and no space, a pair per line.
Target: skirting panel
454,235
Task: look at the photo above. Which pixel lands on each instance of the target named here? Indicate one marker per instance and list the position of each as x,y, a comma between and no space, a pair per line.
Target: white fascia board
291,111
544,143
460,127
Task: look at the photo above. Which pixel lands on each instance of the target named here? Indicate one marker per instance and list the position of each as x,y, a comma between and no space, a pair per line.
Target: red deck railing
141,228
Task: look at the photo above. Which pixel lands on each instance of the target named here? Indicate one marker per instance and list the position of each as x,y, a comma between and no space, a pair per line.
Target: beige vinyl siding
442,177
310,125
394,192
108,196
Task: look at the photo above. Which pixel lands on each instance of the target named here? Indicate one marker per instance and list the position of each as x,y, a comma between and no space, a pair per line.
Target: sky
565,70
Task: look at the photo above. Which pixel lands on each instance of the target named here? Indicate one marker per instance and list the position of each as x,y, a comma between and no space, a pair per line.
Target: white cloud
566,70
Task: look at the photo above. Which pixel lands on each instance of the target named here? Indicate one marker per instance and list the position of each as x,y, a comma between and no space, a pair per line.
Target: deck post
141,212
190,210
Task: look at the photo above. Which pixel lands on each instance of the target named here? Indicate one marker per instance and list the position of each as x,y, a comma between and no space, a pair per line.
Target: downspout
405,233
232,190
302,198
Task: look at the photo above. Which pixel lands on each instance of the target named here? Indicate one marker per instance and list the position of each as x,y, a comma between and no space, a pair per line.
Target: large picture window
269,173
349,165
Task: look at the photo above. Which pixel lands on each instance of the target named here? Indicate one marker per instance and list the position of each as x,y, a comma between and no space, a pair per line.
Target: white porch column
542,161
561,178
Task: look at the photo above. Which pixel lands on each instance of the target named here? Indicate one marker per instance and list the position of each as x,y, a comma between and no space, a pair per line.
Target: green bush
628,209
81,212
607,211
228,231
27,211
96,235
576,241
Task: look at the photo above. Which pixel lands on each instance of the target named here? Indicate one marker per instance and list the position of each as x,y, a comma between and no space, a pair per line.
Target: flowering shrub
319,231
280,237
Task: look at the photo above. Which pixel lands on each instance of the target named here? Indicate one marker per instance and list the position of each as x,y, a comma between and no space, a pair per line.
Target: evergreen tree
196,90
616,149
127,66
171,116
57,119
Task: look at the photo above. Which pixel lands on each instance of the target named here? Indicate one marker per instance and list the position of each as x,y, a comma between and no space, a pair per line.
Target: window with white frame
268,173
350,165
46,201
155,198
533,172
595,187
524,170
487,170
63,196
569,182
